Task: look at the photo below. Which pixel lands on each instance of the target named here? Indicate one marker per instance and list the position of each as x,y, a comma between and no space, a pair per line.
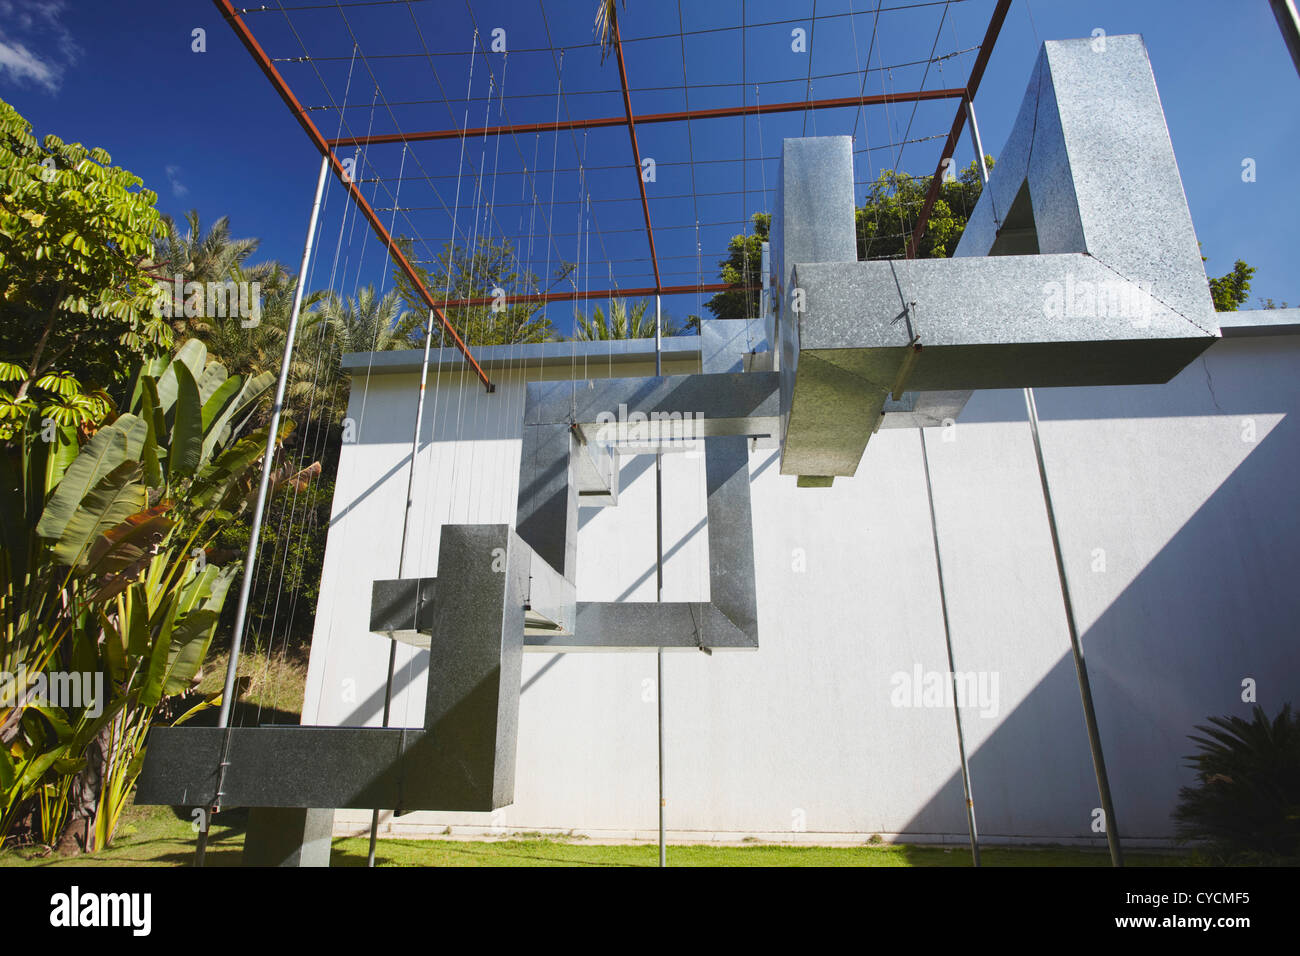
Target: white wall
1181,546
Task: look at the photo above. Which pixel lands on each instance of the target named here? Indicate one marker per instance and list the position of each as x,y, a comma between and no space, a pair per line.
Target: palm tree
607,24
198,256
369,323
621,323
214,257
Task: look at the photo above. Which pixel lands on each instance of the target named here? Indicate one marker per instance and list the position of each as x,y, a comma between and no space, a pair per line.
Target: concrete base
288,836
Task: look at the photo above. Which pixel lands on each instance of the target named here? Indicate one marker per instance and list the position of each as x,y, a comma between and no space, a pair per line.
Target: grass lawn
155,836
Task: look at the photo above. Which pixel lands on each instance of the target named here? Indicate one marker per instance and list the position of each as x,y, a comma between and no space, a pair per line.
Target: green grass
271,685
155,836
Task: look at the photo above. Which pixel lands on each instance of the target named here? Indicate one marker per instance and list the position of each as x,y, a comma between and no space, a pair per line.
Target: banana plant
110,568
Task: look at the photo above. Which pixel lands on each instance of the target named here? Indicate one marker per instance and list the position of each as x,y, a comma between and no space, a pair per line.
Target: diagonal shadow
1217,604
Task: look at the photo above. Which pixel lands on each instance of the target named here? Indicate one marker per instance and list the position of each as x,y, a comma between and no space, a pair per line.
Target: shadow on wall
1218,604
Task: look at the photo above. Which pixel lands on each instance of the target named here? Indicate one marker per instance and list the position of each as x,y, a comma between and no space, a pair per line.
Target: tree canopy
491,270
75,233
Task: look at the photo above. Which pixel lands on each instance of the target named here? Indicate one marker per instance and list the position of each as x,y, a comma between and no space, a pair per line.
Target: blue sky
207,131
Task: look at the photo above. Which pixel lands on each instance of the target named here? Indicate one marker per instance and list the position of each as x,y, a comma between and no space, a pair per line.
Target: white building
1180,527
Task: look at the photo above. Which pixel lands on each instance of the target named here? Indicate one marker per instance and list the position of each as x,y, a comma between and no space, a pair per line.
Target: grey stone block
288,836
462,759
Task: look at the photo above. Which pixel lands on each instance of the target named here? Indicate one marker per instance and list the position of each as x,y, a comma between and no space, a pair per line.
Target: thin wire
812,27
297,470
595,43
742,85
924,76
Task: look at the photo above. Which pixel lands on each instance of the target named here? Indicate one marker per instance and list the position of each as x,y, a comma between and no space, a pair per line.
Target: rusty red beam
636,154
264,62
959,122
721,112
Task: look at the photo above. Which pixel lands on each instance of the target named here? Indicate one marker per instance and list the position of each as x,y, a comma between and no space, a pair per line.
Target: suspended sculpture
1079,266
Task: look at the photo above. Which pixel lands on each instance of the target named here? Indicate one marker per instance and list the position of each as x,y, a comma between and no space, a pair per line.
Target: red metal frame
959,121
291,101
636,153
721,112
630,120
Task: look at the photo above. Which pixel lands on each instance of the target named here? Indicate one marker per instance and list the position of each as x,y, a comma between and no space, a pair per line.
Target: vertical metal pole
975,139
1080,667
401,554
659,589
1288,21
250,563
765,299
952,668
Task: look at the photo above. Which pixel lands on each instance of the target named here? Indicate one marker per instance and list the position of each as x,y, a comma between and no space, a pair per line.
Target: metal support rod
1080,667
401,554
345,177
636,157
680,116
659,589
1288,21
268,460
954,134
976,144
952,667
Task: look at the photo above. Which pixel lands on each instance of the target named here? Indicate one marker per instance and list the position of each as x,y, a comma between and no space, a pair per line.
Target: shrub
1245,806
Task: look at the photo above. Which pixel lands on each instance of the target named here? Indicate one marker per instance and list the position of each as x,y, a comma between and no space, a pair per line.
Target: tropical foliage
491,271
893,205
622,322
1245,805
1231,291
74,238
607,24
109,568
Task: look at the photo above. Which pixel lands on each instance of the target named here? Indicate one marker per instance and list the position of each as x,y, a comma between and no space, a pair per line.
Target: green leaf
151,690
57,718
216,403
193,354
114,647
137,623
186,449
136,431
220,432
208,702
116,497
154,426
60,383
219,476
210,379
35,769
216,599
60,455
122,441
189,646
104,452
